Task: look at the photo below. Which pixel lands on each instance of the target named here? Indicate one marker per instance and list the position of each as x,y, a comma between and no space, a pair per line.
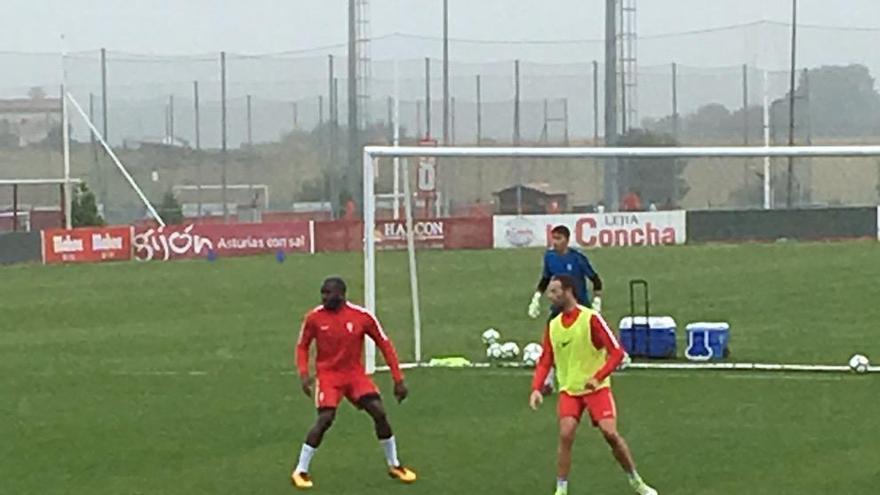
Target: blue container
652,337
707,341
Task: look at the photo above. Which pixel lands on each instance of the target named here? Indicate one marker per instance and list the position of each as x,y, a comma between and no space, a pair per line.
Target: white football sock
305,458
389,445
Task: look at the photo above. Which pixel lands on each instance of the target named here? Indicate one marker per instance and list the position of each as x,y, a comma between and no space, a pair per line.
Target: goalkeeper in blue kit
562,259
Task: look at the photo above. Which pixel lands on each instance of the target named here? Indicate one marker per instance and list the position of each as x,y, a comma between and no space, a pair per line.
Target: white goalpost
371,155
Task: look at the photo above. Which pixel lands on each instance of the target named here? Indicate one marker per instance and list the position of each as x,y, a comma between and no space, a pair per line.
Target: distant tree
656,180
170,209
836,101
84,208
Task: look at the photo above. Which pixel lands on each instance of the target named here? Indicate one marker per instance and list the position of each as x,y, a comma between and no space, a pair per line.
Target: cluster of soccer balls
510,351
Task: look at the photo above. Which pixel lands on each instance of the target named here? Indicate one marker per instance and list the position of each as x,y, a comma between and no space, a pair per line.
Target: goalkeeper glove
597,304
535,305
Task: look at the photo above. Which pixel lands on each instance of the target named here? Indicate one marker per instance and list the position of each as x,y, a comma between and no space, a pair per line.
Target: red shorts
329,390
599,404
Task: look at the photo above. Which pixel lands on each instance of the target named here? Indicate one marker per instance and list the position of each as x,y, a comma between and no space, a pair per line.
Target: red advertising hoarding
437,233
200,240
87,245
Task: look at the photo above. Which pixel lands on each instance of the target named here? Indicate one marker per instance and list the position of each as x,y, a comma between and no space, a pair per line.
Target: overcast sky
258,26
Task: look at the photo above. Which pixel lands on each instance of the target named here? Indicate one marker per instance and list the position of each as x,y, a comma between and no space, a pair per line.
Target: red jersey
339,337
601,337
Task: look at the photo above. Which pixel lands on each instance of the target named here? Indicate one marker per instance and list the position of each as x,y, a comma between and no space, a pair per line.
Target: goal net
436,302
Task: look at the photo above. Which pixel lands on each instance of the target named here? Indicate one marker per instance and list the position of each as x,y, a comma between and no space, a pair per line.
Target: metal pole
768,200
252,203
223,143
516,137
610,176
446,116
15,207
419,118
332,156
791,100
95,164
197,124
335,103
354,158
104,93
65,205
331,78
745,104
807,100
389,116
565,119
452,120
250,122
516,130
171,118
545,132
479,112
745,123
675,122
427,98
66,193
295,116
396,139
595,103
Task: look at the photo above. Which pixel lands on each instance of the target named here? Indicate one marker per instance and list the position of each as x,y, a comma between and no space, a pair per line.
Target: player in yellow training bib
585,352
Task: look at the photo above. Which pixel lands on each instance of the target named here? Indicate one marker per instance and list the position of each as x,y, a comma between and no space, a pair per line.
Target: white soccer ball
491,336
531,354
509,350
859,363
494,351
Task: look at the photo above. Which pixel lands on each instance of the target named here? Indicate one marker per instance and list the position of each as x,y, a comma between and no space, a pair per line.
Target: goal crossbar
370,166
371,152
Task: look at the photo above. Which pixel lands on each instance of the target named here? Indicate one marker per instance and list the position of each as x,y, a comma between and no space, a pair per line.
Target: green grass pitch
177,378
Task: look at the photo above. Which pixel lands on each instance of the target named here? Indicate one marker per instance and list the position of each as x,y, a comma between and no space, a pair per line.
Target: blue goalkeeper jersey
575,264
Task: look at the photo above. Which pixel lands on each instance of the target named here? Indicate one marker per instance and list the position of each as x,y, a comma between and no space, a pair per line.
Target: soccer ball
859,363
532,354
509,350
494,351
491,336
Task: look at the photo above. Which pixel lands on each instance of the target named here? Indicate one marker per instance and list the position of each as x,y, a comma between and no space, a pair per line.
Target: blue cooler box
707,341
652,337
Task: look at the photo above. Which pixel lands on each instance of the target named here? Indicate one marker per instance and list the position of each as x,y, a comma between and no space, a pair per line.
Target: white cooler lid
718,325
653,322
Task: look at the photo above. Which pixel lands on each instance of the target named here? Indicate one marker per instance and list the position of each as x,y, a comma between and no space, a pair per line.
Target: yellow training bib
574,355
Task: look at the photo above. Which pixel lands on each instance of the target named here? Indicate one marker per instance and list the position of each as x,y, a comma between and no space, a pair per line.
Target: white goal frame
371,155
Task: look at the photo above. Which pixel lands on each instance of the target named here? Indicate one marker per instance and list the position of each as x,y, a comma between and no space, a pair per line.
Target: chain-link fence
275,126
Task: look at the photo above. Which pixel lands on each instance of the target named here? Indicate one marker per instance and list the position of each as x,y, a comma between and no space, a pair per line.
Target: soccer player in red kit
338,329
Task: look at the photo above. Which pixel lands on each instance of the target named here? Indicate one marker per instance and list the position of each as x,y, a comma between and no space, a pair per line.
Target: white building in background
30,120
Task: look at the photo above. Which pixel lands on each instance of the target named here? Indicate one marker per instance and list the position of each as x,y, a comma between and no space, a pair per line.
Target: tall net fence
282,118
